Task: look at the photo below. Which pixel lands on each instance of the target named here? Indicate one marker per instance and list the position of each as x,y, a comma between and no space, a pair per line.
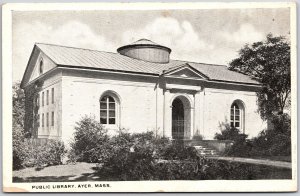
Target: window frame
237,109
43,98
43,120
47,97
47,119
38,120
233,113
41,66
52,118
52,95
107,109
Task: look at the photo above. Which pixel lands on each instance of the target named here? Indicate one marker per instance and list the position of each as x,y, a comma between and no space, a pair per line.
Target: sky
208,36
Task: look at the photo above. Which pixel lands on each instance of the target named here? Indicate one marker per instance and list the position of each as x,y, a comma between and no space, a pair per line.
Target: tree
269,63
18,101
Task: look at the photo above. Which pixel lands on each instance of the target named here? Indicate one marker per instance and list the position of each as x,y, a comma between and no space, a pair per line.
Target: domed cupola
146,50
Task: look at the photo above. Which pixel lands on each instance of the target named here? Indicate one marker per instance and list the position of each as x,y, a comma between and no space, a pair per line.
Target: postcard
149,97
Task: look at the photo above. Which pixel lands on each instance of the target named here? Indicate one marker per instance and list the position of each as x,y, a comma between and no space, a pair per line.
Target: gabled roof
78,57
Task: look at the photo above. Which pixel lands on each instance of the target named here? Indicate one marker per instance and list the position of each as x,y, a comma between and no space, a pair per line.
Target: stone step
204,151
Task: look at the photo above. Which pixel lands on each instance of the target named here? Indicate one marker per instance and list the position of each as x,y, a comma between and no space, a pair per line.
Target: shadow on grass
95,176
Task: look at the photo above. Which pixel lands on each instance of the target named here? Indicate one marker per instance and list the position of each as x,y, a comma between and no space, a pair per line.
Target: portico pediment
184,71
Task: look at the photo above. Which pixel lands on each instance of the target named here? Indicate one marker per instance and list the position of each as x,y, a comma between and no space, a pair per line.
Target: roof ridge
199,62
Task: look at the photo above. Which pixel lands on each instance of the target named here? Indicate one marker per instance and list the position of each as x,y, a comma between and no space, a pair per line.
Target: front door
178,120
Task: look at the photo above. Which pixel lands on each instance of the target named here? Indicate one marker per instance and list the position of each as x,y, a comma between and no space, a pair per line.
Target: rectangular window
47,97
43,95
43,120
52,119
52,94
47,119
38,120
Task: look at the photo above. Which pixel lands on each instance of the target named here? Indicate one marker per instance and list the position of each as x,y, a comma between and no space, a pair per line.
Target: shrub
51,153
177,150
90,139
28,154
129,156
219,169
240,146
18,147
275,141
139,157
230,133
271,142
126,156
198,137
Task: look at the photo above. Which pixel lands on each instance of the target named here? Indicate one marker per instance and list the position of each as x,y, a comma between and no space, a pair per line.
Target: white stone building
139,89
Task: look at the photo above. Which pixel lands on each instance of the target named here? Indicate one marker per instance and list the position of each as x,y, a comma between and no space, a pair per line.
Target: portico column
192,131
197,116
167,114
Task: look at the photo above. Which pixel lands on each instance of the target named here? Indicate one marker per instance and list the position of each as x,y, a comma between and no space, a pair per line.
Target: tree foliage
18,112
268,62
18,101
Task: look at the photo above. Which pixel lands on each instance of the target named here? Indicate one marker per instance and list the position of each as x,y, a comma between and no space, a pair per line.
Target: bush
198,137
90,139
40,156
241,147
28,154
127,156
18,147
270,142
226,170
275,141
177,150
230,133
143,157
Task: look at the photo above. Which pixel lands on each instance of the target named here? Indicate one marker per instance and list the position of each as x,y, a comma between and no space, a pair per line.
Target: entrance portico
181,120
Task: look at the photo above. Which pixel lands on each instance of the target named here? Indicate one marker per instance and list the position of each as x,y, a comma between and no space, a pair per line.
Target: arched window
41,66
107,110
237,115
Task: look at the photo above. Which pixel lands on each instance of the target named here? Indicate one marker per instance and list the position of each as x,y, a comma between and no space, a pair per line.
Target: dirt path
281,164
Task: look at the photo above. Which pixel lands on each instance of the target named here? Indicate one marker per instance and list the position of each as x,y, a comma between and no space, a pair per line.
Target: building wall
51,131
145,107
216,111
47,80
81,96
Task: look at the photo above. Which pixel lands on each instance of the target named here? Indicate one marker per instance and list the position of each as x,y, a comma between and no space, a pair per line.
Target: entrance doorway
181,118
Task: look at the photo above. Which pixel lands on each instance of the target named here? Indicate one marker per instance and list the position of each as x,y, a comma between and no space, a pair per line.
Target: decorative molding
183,87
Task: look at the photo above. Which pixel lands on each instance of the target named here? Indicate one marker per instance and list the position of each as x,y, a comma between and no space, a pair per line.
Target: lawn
58,173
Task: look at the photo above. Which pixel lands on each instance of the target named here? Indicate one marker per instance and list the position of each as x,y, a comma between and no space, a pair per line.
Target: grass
58,173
